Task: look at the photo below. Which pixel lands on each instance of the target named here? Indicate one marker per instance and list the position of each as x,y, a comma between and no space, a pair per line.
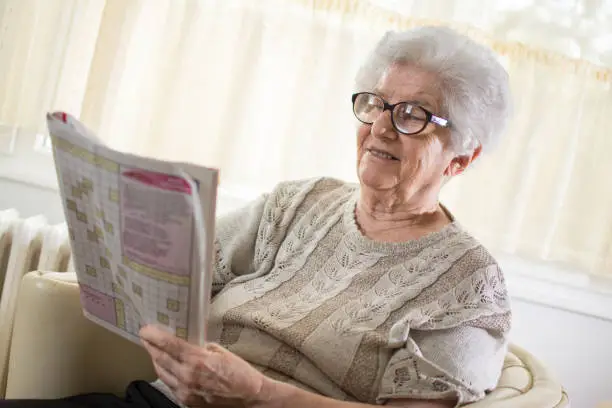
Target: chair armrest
524,383
56,351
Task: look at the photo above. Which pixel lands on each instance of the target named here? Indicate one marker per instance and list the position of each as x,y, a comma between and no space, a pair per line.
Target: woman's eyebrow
423,104
379,92
416,98
421,99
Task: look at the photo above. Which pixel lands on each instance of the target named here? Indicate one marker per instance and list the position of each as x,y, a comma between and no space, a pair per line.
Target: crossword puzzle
129,275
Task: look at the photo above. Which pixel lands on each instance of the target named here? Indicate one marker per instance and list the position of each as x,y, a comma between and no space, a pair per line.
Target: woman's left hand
205,375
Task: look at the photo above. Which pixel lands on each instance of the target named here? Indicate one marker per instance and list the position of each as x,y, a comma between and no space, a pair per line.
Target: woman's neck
389,217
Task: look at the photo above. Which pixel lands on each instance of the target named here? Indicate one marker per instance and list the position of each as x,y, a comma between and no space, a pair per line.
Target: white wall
576,347
31,200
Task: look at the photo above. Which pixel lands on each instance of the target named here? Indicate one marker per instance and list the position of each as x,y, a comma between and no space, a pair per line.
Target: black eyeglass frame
429,117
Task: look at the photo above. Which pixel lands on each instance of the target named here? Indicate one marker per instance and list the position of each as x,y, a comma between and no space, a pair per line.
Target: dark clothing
139,394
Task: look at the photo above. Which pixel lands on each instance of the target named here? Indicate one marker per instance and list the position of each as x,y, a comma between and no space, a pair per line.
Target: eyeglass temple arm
439,121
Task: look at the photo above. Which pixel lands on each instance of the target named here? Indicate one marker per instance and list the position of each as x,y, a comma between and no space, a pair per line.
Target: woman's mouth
381,155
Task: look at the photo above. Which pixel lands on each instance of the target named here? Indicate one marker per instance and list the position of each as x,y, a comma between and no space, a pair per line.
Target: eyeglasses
407,118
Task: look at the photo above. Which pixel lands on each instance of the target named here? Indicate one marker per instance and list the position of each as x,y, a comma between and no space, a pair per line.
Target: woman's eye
372,105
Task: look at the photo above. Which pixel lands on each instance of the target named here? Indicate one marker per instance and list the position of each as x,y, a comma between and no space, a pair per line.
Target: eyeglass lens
407,118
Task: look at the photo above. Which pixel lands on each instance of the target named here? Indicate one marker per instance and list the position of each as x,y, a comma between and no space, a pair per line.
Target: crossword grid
87,227
90,224
79,227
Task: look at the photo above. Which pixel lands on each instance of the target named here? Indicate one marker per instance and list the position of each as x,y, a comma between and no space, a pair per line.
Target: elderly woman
328,294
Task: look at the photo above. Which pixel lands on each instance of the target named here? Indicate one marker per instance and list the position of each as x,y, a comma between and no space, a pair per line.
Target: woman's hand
204,375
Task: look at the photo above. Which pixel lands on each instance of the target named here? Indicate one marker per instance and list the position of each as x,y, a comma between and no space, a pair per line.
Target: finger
165,375
185,389
167,378
164,360
150,349
165,341
190,373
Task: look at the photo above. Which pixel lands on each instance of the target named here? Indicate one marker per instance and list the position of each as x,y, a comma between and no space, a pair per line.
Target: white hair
474,85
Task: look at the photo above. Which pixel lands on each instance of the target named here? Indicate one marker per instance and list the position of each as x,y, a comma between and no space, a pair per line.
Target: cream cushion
57,352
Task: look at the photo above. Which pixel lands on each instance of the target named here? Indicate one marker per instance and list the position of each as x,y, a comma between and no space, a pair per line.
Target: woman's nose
383,126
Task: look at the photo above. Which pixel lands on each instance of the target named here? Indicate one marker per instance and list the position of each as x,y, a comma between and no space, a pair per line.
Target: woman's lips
381,154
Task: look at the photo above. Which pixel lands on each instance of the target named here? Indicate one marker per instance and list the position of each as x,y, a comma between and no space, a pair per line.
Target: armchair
56,352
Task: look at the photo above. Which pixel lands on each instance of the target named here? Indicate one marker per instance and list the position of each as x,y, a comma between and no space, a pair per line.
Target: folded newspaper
141,233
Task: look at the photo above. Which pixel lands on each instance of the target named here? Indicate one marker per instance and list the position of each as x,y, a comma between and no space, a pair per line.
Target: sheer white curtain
261,89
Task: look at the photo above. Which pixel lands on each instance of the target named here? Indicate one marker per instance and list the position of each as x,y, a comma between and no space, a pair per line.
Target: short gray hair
474,85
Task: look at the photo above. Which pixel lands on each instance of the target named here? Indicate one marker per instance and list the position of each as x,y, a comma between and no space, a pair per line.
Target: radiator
26,244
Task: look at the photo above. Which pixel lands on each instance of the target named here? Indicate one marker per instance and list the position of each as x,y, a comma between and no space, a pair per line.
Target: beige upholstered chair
56,352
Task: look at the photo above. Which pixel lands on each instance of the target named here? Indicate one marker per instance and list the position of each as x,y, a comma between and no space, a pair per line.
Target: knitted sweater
305,297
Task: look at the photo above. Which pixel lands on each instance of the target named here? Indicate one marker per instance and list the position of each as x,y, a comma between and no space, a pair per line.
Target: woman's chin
376,179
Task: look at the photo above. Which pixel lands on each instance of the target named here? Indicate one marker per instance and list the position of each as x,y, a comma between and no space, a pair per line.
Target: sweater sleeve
458,349
461,363
235,239
247,240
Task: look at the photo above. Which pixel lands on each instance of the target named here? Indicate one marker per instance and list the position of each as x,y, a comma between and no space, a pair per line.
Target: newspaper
141,232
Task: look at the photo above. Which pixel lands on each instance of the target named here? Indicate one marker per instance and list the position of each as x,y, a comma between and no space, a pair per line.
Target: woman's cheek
362,133
420,156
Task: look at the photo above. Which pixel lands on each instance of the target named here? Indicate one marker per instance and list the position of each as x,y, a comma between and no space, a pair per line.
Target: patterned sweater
305,297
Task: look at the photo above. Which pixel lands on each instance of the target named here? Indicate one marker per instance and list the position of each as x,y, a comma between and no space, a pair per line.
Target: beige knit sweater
301,294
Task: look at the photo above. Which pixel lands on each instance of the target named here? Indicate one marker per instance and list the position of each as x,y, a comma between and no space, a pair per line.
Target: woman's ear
459,163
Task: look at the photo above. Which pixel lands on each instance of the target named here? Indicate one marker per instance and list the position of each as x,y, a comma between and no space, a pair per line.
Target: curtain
261,90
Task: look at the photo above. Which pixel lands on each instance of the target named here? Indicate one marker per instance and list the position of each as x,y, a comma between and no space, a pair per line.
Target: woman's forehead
402,82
